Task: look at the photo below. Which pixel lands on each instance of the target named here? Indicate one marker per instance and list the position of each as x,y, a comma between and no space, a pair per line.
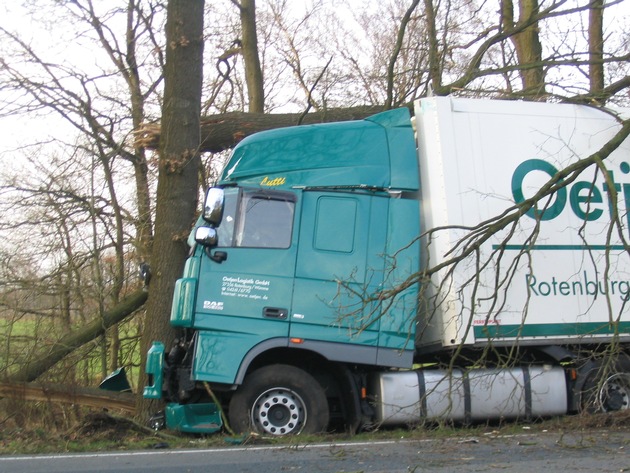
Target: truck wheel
607,392
279,400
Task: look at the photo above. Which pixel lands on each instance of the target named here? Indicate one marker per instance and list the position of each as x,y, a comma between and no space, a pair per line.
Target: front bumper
194,418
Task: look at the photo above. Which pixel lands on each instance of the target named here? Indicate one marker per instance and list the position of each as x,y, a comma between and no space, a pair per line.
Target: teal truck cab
300,301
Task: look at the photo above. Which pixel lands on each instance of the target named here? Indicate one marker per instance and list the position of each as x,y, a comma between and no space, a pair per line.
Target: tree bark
596,46
527,45
253,71
221,132
178,177
435,61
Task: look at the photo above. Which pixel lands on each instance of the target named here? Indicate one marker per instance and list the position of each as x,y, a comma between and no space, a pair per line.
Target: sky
16,131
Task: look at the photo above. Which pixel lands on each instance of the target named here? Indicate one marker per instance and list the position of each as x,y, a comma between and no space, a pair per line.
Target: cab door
246,282
339,265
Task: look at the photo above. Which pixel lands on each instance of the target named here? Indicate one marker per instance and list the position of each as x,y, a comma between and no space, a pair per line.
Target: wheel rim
615,393
279,411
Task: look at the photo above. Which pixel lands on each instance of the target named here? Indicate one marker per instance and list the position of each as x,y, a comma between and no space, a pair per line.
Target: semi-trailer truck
457,263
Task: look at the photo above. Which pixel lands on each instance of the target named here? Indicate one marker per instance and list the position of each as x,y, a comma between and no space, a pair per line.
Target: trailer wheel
607,391
279,400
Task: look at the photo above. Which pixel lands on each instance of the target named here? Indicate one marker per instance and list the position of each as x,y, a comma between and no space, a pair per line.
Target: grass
26,337
30,428
100,431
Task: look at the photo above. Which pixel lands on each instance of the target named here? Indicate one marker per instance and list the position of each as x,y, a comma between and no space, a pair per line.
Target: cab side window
265,222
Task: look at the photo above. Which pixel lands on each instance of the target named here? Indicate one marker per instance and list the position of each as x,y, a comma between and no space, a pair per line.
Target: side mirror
213,206
206,236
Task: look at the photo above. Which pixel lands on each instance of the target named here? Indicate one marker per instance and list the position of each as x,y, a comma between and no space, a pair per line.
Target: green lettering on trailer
550,212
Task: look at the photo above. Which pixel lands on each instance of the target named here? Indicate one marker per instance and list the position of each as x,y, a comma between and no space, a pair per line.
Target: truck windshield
256,219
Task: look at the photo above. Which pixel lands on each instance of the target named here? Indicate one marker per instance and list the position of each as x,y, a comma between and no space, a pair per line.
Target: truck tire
279,400
607,390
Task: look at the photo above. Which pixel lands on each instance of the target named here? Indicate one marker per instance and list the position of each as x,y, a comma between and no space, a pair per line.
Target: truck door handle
218,256
275,312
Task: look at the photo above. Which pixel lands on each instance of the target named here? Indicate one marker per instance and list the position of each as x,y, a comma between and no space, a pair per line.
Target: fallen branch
88,397
42,362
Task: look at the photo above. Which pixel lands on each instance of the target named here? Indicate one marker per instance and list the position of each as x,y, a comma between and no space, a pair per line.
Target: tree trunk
527,45
435,56
179,164
391,66
144,221
125,61
224,131
114,348
253,71
596,46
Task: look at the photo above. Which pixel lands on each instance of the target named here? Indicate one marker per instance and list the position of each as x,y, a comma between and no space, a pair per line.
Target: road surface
595,451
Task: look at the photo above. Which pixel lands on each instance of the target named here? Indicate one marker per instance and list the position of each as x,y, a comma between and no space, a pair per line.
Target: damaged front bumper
194,418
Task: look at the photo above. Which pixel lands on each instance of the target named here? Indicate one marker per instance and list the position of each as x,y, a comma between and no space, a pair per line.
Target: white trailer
560,273
545,292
